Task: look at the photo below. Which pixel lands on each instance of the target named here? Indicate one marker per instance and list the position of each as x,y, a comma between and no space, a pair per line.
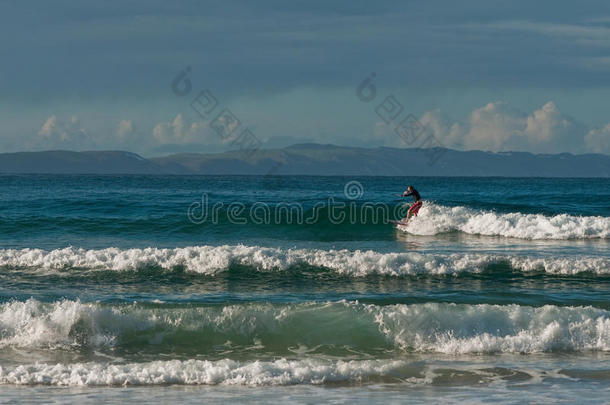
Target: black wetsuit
415,194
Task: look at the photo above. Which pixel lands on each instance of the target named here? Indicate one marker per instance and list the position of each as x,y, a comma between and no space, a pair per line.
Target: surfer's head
410,188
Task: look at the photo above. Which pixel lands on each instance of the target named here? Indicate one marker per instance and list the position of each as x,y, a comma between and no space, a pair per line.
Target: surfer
416,205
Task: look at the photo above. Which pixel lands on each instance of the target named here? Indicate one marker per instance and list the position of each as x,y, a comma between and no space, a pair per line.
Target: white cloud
598,139
439,123
493,126
178,132
125,130
499,127
64,134
549,130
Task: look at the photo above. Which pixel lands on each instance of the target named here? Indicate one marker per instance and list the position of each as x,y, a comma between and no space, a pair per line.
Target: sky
475,74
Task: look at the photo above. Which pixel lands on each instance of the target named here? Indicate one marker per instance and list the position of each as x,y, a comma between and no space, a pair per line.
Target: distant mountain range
315,159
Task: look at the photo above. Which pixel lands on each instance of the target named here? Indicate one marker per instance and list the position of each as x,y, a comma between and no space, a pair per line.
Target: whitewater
211,260
498,291
456,329
436,219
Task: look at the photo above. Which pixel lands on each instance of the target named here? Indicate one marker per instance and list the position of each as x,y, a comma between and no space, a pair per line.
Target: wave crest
324,328
213,260
434,219
225,372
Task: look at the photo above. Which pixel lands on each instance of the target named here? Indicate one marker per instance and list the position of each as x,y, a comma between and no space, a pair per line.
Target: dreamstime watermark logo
350,209
407,127
353,190
225,123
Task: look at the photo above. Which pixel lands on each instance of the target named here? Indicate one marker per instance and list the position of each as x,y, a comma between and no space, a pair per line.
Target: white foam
211,260
430,327
458,329
280,372
36,324
561,265
225,372
434,219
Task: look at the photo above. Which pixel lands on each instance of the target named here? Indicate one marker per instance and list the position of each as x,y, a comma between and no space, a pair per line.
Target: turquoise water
163,288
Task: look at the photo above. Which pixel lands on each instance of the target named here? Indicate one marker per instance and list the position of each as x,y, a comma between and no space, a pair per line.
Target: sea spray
330,328
213,260
434,219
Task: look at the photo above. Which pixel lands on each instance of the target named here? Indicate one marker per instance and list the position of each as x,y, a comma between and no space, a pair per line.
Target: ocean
266,289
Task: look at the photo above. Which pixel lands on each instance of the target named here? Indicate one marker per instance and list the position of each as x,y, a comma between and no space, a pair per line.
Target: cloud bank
287,68
495,126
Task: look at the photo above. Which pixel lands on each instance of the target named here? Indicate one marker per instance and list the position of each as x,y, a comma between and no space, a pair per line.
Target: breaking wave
434,219
212,260
283,372
330,328
225,372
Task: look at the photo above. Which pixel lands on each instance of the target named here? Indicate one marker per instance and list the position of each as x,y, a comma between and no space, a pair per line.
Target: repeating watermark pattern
181,85
204,103
353,190
336,211
407,127
225,124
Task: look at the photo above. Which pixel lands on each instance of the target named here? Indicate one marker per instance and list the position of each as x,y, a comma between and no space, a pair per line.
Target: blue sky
491,75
